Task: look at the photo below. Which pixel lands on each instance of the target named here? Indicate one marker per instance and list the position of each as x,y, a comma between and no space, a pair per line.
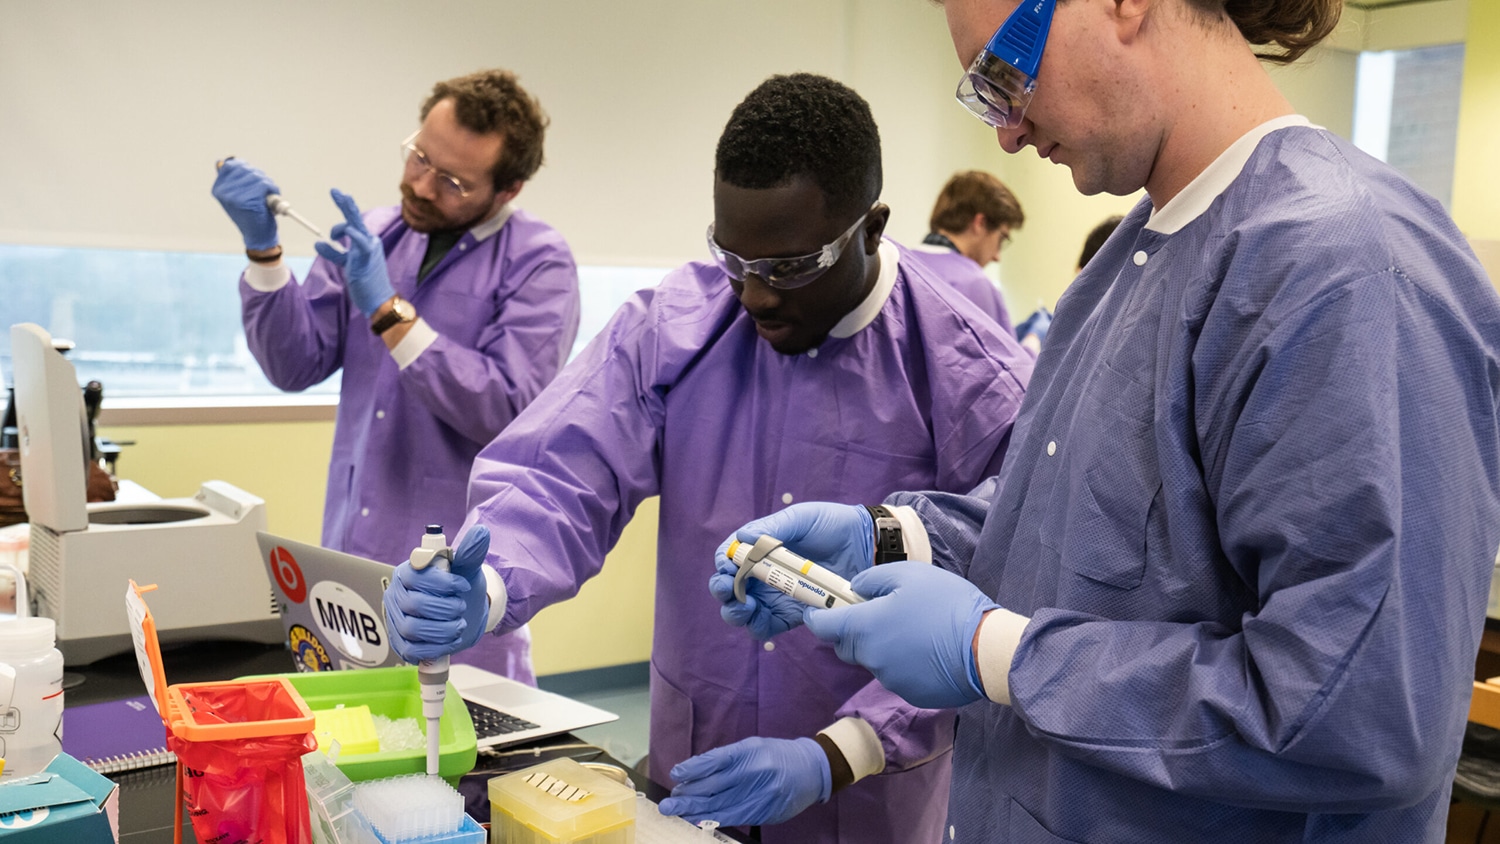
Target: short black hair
804,125
1096,238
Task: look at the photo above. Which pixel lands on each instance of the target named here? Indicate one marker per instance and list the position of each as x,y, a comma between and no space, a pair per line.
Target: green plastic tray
394,693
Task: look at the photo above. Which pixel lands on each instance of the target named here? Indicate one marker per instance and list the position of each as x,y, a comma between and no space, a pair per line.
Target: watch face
404,310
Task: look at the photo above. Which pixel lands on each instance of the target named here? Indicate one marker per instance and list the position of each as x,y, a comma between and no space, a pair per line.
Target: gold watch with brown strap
399,311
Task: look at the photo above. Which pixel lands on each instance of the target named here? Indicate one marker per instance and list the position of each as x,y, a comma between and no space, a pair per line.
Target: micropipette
789,573
284,208
432,674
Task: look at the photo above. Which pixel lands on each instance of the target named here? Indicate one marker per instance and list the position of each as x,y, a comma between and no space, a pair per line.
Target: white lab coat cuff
913,534
414,343
999,636
494,586
267,278
861,747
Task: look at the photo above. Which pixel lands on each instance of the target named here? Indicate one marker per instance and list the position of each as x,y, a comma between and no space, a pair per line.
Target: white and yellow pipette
792,574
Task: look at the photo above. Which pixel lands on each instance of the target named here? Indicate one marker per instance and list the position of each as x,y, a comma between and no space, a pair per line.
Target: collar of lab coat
1200,193
494,224
870,307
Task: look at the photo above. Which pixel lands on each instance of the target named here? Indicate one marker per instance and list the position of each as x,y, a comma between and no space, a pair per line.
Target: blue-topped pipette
432,674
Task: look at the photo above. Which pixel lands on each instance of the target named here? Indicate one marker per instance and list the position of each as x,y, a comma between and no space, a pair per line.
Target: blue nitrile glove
838,537
432,613
1035,325
766,612
753,781
242,190
364,263
915,633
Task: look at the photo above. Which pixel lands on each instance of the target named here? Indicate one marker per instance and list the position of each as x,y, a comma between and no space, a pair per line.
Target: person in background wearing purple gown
810,358
971,222
448,314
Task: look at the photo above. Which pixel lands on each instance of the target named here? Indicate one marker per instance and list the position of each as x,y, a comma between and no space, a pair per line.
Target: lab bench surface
147,795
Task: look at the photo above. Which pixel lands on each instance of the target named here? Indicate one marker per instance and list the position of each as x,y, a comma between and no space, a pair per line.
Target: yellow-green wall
1476,183
286,463
608,623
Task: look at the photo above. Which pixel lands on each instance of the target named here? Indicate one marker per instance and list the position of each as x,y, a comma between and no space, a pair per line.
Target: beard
424,216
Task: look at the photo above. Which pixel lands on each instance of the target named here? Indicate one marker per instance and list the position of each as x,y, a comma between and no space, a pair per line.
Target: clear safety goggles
784,273
1001,81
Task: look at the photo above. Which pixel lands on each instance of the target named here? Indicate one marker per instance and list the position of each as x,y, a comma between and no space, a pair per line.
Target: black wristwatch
890,547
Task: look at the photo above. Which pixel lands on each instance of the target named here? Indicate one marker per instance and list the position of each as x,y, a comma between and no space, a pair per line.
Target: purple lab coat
968,278
505,308
679,397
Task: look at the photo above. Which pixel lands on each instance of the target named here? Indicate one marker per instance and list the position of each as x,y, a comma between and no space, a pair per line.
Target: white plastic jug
31,692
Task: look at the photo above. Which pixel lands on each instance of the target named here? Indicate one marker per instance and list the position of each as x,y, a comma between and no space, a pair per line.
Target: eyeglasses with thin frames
412,155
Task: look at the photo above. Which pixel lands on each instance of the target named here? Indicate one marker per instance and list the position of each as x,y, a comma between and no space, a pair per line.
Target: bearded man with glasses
447,314
810,357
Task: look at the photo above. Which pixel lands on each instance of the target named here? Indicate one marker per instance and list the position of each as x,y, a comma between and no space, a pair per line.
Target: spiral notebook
117,735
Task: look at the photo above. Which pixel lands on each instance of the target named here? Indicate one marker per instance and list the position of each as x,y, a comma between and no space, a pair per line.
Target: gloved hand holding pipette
432,674
253,202
807,527
364,262
915,632
242,190
431,613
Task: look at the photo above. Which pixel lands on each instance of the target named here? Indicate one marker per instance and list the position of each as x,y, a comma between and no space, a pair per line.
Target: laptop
332,609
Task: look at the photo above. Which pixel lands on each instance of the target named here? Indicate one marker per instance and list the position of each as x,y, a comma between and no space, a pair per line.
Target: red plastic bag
248,790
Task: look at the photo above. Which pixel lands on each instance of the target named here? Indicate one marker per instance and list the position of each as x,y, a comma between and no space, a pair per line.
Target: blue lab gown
679,397
505,306
1251,510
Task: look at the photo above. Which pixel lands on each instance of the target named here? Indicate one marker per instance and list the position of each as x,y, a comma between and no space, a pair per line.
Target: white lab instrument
204,546
432,674
789,573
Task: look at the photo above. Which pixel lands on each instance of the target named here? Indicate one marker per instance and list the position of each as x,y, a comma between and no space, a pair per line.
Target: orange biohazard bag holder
239,746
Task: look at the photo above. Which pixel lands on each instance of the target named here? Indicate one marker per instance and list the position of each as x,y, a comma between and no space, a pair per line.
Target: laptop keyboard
492,722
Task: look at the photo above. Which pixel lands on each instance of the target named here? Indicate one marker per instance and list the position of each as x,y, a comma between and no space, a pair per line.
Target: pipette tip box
560,802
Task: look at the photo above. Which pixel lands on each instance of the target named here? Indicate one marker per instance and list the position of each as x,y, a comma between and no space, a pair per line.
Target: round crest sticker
307,651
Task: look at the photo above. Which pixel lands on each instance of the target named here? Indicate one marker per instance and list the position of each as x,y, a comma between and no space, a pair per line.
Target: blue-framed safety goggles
784,273
999,85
